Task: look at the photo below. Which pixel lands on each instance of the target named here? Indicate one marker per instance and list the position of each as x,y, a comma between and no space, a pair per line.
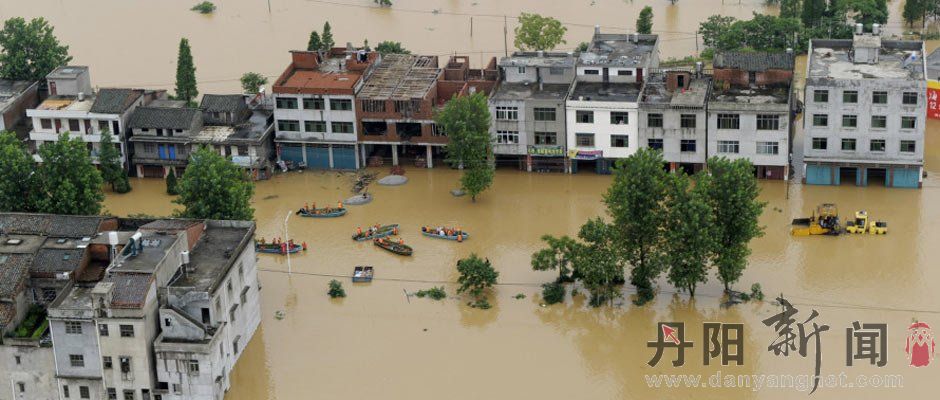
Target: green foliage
633,201
559,255
813,12
582,47
481,304
17,180
598,263
315,43
435,293
644,23
67,182
205,7
109,162
689,231
172,186
733,196
390,47
185,73
383,3
519,296
913,10
122,185
476,275
477,178
539,33
252,82
466,120
869,12
214,188
30,50
327,37
790,8
756,292
34,324
553,293
760,33
336,289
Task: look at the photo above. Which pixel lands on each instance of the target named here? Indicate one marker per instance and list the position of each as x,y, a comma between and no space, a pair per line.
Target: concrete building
749,110
603,103
316,119
673,117
15,98
865,111
528,110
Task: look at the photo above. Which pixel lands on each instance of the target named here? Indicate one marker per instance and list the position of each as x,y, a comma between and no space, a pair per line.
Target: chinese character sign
933,99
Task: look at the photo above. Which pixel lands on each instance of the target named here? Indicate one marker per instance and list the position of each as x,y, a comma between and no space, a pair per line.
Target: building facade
15,98
673,117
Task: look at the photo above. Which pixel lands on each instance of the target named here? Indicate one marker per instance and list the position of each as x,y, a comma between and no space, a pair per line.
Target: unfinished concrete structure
15,98
865,112
316,118
673,117
749,110
528,110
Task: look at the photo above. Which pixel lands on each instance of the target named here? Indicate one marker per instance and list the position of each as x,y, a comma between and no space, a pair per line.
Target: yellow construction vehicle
825,221
861,224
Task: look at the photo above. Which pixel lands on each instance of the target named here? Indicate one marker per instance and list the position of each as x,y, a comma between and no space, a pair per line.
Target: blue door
818,175
172,149
292,153
905,177
161,151
344,156
318,156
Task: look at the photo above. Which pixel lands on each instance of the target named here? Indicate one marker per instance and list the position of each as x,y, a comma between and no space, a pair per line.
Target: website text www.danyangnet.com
802,383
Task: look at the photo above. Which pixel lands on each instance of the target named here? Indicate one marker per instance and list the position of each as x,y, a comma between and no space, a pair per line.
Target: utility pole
290,271
505,36
269,6
471,26
696,43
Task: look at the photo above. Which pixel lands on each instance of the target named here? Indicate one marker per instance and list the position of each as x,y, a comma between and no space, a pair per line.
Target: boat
449,233
381,232
394,247
362,274
326,212
279,248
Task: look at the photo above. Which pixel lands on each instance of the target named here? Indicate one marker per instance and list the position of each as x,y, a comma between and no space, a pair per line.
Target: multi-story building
865,111
396,105
603,103
15,98
528,110
749,110
673,117
316,119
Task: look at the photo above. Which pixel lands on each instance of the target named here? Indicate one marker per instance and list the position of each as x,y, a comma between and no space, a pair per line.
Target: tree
644,23
869,12
336,289
538,33
476,178
633,200
712,28
813,12
559,255
383,3
17,180
582,47
109,162
597,262
390,47
553,292
172,184
214,188
476,275
185,73
790,8
29,51
689,231
252,82
205,7
913,10
732,194
68,183
315,43
327,37
466,120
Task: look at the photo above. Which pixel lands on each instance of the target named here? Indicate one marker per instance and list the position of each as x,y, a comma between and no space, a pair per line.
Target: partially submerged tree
390,47
466,121
214,188
597,263
476,275
172,184
644,23
67,182
538,33
185,74
336,289
30,50
17,177
689,231
252,82
559,255
109,162
476,178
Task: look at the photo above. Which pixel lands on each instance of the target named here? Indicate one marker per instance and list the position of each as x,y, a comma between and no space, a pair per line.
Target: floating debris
270,197
279,315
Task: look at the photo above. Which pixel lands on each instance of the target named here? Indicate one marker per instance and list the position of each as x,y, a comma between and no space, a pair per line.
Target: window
768,122
619,118
48,294
848,144
507,113
288,125
128,395
544,114
83,392
556,71
340,105
342,127
285,102
244,295
850,97
584,117
103,126
125,364
768,148
820,96
520,70
150,148
314,126
176,388
879,97
546,138
75,125
849,121
909,98
73,327
729,121
127,330
625,72
908,146
656,144
820,120
21,387
437,130
231,312
112,394
728,146
687,145
819,143
77,360
908,122
507,137
877,145
619,141
45,123
228,287
314,104
687,121
193,367
65,391
241,271
584,139
592,72
107,362
879,121
17,359
654,120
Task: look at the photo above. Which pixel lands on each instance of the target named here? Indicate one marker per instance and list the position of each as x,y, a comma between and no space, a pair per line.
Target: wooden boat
394,247
283,248
383,231
455,234
362,274
326,212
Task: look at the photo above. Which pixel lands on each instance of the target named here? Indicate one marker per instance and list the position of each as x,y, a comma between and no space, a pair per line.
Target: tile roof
73,226
170,224
130,290
7,313
13,270
115,101
164,117
222,102
57,260
755,62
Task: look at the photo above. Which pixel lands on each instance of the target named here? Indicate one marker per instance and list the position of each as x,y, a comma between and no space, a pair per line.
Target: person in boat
401,241
339,205
262,240
359,230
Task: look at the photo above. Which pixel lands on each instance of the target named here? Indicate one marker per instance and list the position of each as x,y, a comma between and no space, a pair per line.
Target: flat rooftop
521,91
212,257
10,91
77,298
67,72
598,91
933,65
401,76
67,103
898,59
616,49
331,74
250,131
656,93
750,97
533,59
155,244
